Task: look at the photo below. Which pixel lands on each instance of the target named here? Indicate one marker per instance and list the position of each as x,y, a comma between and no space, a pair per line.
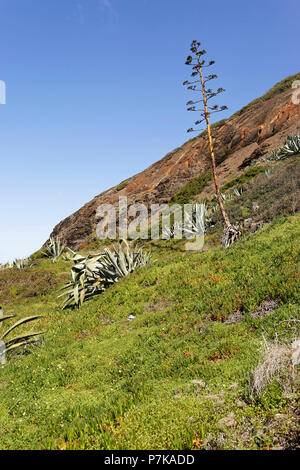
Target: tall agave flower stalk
201,106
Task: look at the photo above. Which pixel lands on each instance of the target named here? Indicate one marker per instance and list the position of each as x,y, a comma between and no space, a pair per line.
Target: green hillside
195,350
103,381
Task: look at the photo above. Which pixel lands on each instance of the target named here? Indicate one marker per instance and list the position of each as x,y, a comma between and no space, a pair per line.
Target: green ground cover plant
153,361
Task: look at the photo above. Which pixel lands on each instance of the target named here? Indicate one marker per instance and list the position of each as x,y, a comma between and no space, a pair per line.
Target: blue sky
94,92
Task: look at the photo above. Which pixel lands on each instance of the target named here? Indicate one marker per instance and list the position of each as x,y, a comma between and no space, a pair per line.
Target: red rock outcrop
251,133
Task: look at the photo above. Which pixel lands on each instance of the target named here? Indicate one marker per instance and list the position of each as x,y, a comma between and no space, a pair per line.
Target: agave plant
238,191
5,265
22,263
273,155
124,261
268,172
91,275
195,223
7,344
69,254
170,232
210,211
54,249
85,281
291,147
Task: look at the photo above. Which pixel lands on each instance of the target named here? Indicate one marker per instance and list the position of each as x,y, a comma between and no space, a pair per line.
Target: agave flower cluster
92,274
290,148
201,105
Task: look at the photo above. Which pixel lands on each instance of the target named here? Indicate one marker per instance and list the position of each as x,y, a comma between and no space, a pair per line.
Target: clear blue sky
94,92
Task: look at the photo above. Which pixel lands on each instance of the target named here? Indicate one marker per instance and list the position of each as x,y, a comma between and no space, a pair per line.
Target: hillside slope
191,351
251,133
177,376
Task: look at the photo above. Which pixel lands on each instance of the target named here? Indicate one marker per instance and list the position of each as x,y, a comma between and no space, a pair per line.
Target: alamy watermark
159,221
2,92
2,353
296,93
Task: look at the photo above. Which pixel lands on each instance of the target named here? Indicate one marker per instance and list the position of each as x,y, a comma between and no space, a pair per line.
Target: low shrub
192,188
244,178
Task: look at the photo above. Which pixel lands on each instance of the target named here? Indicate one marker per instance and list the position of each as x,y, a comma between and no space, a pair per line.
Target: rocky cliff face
247,135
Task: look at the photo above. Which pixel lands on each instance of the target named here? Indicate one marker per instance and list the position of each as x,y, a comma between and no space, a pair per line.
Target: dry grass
276,364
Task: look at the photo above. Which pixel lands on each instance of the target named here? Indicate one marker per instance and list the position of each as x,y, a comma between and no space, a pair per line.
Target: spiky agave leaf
19,323
91,275
69,254
22,263
84,280
54,249
195,223
290,148
5,317
21,340
170,232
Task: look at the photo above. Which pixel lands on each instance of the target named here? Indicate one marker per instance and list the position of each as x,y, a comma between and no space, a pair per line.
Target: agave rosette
92,274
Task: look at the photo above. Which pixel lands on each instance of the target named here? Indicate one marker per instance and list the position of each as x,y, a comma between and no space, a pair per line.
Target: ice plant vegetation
201,106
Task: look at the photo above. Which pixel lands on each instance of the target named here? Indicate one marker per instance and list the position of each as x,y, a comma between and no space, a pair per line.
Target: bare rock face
247,135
